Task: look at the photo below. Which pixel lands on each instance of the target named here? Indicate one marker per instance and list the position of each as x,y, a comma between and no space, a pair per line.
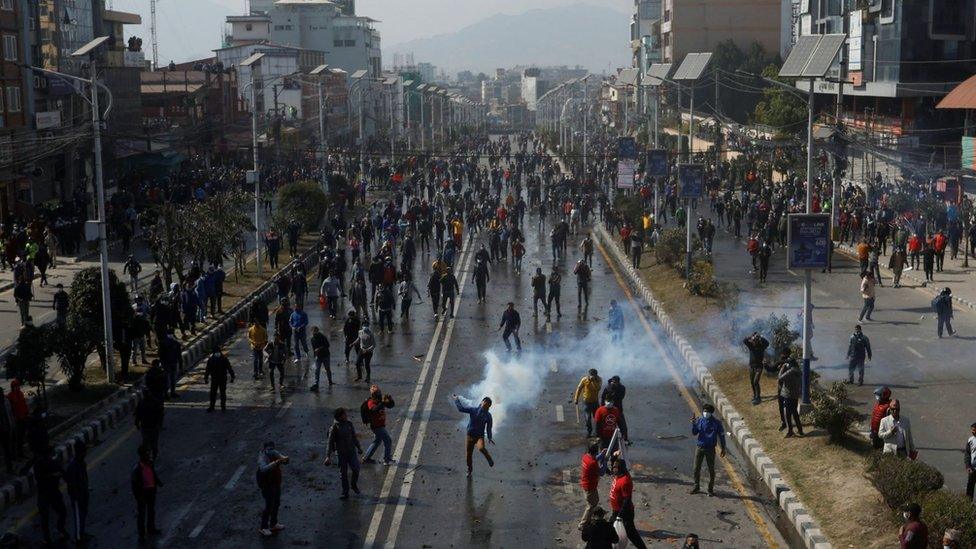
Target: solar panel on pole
656,73
800,56
693,66
823,56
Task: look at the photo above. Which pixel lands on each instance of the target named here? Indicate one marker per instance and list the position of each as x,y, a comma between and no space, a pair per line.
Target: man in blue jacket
299,322
710,433
479,427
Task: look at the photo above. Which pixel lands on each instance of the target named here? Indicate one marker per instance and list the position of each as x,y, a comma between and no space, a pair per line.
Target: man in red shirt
607,420
622,502
914,534
939,242
590,480
376,407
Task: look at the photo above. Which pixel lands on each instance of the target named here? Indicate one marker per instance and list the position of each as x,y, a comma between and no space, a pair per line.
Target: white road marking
233,479
400,505
568,485
283,410
202,524
791,272
820,292
548,327
914,352
554,367
560,414
171,525
374,523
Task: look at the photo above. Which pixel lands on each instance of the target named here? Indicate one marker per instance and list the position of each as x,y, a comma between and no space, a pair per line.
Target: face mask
706,415
906,516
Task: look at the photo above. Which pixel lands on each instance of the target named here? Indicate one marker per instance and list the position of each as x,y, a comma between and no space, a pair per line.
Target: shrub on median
943,509
670,247
901,481
304,202
831,413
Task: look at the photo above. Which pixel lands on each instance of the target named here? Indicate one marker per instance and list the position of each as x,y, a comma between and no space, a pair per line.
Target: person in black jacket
170,351
757,346
598,533
76,479
218,368
350,331
47,480
145,483
320,349
149,421
344,443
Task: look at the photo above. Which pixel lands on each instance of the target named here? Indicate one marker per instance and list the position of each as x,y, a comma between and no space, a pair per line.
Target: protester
479,428
269,478
942,304
969,454
511,322
858,348
757,346
790,380
76,481
710,433
622,502
896,432
589,390
914,534
592,463
217,369
375,416
320,350
597,532
145,484
882,398
343,442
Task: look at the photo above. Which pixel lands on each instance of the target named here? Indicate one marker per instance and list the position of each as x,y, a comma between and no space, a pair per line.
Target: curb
922,284
124,401
803,522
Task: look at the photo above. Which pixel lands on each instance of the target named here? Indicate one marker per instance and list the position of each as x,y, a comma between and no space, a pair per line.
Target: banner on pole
657,163
691,180
808,237
625,174
626,148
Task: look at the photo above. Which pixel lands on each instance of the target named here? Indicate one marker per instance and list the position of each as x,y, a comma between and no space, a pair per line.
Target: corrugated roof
962,96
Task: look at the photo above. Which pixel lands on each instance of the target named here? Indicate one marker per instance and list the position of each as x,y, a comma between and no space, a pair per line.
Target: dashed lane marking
237,476
284,409
560,414
568,485
202,524
914,352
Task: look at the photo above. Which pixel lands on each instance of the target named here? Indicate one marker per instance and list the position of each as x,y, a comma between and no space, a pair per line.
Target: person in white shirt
896,432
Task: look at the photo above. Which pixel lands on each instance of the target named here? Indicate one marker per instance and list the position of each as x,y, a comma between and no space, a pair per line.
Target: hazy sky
190,29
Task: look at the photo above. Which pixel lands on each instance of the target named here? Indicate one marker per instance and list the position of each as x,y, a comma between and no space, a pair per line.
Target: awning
962,96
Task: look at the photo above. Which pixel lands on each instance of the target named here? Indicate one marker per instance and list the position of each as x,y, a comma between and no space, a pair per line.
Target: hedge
901,481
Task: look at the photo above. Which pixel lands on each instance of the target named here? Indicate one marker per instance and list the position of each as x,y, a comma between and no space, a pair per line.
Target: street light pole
423,138
688,201
807,273
102,237
257,175
322,143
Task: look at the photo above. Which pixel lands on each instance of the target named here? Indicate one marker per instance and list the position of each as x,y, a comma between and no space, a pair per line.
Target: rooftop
123,17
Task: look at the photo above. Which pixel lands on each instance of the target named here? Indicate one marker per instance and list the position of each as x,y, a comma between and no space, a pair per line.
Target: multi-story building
645,33
350,42
900,58
14,185
275,89
700,25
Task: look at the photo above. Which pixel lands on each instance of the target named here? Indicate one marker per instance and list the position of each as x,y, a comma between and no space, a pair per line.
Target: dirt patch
829,479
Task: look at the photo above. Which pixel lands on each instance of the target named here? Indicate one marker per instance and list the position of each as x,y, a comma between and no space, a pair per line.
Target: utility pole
322,143
277,126
257,175
688,201
392,123
102,238
423,139
807,273
362,136
154,35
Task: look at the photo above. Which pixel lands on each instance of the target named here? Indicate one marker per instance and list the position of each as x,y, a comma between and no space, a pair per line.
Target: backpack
364,412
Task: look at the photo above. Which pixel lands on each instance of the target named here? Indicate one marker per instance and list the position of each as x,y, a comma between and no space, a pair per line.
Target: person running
345,445
589,390
583,276
710,433
218,368
622,502
858,348
511,322
479,428
374,415
449,290
269,479
320,350
145,484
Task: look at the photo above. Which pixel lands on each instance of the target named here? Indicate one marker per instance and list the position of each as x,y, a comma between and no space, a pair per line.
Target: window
350,43
9,47
887,11
13,98
248,27
337,43
948,19
7,5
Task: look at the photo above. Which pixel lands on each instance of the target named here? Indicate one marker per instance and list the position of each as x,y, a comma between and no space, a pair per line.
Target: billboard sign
808,238
691,180
657,163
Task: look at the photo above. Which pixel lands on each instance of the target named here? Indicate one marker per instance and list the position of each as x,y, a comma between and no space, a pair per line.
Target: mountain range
593,37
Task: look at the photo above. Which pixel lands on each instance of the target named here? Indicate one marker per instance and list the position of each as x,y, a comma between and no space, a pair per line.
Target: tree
217,224
737,100
72,349
28,362
85,307
303,201
165,233
779,108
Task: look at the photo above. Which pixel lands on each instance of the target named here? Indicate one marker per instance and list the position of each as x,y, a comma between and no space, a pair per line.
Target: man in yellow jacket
589,390
257,338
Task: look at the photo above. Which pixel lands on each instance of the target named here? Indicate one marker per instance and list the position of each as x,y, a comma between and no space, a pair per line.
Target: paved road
529,499
932,377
